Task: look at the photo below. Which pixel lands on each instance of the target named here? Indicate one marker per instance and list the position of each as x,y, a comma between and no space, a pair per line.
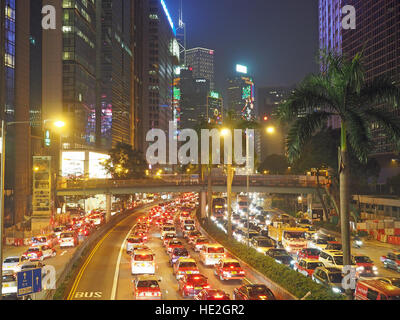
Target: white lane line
116,274
64,252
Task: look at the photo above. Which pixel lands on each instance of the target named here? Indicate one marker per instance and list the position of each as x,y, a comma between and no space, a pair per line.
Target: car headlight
259,250
336,290
360,268
359,243
374,268
292,262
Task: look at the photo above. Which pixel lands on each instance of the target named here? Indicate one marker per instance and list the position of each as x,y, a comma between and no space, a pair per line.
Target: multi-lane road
106,275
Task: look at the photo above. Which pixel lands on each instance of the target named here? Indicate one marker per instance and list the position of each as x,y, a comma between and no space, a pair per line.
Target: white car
12,264
132,243
10,286
167,229
334,259
142,262
68,239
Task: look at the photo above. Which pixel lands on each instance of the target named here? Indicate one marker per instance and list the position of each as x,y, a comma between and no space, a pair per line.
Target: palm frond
380,90
311,95
302,130
386,120
359,134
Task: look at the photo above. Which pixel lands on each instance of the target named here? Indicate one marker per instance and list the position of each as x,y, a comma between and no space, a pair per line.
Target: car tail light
189,286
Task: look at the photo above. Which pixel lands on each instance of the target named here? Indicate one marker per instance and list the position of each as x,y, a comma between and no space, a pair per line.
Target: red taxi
229,269
185,266
192,284
212,294
174,243
307,266
308,253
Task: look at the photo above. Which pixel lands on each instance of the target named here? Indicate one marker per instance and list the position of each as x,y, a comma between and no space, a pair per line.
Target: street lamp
270,130
4,124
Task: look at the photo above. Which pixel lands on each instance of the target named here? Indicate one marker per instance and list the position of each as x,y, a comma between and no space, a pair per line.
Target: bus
218,207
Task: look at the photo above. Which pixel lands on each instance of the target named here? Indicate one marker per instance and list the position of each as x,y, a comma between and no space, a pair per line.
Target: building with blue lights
160,56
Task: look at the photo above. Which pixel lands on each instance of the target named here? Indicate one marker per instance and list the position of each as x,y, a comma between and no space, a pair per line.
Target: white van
142,262
210,254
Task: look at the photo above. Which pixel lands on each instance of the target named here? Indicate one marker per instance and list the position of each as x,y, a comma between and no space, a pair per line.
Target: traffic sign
29,282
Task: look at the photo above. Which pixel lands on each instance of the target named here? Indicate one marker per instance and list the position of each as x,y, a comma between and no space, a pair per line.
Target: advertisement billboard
41,197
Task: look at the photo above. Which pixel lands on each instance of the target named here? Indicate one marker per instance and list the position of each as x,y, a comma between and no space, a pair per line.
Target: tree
125,163
341,90
275,164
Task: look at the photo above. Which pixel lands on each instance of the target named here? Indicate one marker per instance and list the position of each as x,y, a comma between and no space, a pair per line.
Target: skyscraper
115,70
241,96
193,103
215,107
16,107
160,57
202,62
377,34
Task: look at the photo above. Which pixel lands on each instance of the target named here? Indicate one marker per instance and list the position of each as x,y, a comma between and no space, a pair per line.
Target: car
28,265
140,247
146,287
308,253
68,239
186,229
142,262
281,256
253,292
172,244
334,259
391,280
210,254
39,253
329,277
178,253
307,266
168,237
365,266
57,230
392,261
133,242
334,245
50,239
167,229
212,294
12,263
198,243
141,234
9,286
187,222
229,269
319,243
191,284
185,266
193,235
262,244
372,289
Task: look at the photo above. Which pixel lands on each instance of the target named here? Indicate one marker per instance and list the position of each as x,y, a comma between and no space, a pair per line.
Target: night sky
276,39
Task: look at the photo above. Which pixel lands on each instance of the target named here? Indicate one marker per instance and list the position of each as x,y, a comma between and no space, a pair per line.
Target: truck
291,238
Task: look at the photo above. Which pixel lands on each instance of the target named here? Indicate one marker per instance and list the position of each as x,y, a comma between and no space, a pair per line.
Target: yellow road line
89,258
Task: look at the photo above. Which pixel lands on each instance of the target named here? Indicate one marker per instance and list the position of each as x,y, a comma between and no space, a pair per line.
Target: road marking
80,295
64,252
82,270
116,274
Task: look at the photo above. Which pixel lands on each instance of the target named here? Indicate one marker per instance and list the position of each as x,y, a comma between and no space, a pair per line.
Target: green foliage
125,163
327,225
341,90
295,283
275,164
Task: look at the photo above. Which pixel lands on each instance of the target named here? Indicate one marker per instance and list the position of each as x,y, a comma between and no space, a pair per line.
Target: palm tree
341,90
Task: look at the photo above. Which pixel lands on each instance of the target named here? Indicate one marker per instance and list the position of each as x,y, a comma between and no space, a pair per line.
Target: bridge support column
203,202
108,207
309,205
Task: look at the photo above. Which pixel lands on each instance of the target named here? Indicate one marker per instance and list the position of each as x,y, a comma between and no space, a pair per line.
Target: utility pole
3,149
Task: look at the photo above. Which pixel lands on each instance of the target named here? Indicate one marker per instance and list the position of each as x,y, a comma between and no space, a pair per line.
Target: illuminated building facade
160,57
215,107
202,62
241,97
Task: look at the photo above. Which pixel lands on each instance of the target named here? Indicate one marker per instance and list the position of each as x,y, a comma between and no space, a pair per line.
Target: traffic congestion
165,254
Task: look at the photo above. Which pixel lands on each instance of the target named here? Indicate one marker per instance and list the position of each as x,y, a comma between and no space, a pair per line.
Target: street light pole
247,183
3,148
